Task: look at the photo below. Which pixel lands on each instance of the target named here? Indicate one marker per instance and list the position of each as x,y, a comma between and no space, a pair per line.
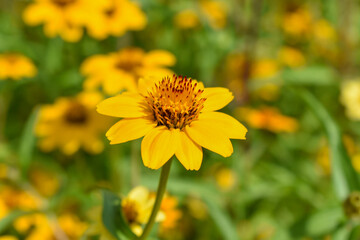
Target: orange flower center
76,114
175,102
63,3
130,212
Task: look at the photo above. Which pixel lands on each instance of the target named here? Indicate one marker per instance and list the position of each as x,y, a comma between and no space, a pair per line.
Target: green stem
159,196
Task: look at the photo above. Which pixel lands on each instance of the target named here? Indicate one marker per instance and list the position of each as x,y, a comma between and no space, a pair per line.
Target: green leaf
314,75
343,233
112,217
222,220
27,142
209,194
344,177
10,218
355,233
324,221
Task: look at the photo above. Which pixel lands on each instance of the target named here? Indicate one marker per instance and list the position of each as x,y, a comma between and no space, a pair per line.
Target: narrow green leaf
344,177
324,221
314,75
27,142
355,233
112,217
222,220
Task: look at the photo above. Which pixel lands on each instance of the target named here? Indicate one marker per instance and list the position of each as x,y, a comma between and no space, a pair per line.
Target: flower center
176,102
76,114
130,212
63,3
110,12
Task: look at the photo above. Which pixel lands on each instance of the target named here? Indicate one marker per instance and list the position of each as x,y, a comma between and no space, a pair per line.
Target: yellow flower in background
197,208
16,66
225,178
115,19
13,198
323,31
215,11
60,17
121,70
323,155
350,98
45,181
8,237
186,19
297,22
137,207
72,225
267,118
264,70
178,117
35,226
291,57
67,18
72,123
171,213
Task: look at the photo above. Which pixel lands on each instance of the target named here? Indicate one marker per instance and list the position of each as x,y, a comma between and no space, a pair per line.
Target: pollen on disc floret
176,102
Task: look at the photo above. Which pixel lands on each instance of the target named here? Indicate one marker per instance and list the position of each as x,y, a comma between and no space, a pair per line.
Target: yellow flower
117,17
297,22
291,57
72,225
171,213
323,31
323,156
186,19
36,226
268,118
137,207
60,17
8,238
45,182
350,98
121,70
71,123
225,178
177,116
16,66
263,70
18,199
215,11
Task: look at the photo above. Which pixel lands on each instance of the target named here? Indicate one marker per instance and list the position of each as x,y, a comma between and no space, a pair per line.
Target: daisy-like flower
136,208
16,66
121,70
268,118
63,18
177,116
115,19
71,123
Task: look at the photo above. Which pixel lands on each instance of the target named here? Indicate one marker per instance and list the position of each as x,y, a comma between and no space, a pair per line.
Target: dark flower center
63,3
76,114
176,102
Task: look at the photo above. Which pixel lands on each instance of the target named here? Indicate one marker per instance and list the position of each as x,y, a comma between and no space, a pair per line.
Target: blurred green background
293,69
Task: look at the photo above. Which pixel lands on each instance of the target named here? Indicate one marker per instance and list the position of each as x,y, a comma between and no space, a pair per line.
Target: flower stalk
159,196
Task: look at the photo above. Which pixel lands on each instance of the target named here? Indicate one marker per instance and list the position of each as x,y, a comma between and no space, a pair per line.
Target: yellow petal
216,98
129,129
231,127
159,57
126,105
209,136
158,146
189,153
